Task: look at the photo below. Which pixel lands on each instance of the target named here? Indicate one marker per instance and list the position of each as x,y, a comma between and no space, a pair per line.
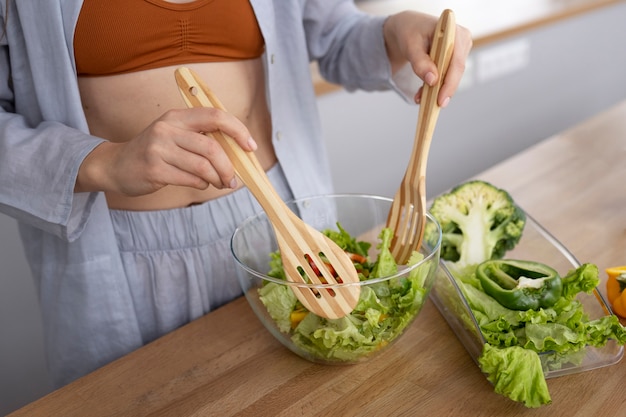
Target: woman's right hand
172,150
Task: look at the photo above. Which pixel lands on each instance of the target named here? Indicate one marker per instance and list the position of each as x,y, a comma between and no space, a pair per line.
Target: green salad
384,310
522,344
528,315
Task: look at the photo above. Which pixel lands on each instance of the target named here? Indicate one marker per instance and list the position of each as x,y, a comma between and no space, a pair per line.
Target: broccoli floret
478,221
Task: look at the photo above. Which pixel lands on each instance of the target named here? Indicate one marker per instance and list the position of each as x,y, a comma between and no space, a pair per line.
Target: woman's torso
118,107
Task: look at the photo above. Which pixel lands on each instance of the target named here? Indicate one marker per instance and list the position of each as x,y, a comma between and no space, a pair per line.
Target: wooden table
227,364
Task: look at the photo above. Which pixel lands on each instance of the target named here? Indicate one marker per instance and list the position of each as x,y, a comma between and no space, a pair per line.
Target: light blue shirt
44,138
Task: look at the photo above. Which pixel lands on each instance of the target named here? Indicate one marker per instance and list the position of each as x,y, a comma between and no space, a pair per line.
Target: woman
125,207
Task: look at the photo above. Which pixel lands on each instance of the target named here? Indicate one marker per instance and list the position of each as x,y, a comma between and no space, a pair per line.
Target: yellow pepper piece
296,317
614,291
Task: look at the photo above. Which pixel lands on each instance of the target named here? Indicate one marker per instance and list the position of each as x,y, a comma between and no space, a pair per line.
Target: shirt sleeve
38,165
350,49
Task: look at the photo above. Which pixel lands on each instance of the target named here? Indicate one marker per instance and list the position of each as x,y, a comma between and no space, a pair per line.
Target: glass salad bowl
536,244
387,304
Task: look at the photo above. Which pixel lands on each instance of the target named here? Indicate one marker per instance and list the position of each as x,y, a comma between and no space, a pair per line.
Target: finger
202,155
451,83
179,177
418,95
167,145
423,66
204,119
456,69
166,162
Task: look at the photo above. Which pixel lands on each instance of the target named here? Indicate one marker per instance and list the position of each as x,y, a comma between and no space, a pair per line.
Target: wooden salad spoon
299,243
407,216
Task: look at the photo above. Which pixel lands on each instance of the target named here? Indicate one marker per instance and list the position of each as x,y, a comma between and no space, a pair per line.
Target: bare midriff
119,107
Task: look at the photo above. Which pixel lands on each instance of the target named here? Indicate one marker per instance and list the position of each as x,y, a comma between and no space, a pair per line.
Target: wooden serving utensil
299,244
407,216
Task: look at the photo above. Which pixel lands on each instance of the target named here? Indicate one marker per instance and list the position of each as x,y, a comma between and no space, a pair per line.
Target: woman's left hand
408,37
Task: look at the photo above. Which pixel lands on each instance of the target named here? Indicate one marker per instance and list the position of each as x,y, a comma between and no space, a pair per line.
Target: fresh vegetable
479,222
384,309
520,285
554,335
527,331
615,286
505,368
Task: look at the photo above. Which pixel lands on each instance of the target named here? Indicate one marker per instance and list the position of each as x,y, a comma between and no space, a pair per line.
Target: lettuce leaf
551,337
382,313
582,279
385,265
516,373
345,241
280,301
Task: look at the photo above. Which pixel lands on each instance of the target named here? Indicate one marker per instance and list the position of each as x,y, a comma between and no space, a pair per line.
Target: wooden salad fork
407,215
300,245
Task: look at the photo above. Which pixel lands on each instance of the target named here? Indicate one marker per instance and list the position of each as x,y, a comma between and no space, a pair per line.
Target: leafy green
516,373
551,337
479,223
280,302
385,266
345,241
583,279
382,313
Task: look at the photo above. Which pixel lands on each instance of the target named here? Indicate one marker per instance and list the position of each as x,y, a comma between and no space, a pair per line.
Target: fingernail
233,183
445,102
430,78
252,144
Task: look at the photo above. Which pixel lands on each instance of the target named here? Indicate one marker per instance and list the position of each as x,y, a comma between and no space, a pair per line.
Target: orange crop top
120,36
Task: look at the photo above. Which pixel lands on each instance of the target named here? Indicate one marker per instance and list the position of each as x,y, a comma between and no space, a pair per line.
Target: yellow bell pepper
615,286
296,317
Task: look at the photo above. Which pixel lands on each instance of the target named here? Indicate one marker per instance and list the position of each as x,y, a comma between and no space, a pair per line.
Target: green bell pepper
520,285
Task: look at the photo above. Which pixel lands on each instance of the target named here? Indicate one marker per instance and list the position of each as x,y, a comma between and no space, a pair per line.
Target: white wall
575,69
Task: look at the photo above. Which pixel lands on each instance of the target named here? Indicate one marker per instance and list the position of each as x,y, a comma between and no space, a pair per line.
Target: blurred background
537,68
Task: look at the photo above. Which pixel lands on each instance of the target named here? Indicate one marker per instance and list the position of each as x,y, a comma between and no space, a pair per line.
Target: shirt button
272,58
279,135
